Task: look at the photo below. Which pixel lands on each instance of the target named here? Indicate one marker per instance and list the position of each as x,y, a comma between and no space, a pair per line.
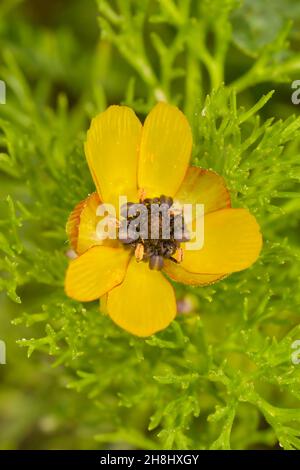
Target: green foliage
221,376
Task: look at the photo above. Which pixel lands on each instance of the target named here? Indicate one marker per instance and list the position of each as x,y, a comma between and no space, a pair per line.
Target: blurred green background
64,61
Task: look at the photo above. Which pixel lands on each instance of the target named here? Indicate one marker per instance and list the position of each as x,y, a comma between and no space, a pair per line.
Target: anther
145,234
142,194
178,256
139,252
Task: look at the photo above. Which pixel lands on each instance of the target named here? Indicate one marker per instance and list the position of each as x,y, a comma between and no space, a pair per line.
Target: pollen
139,252
178,255
153,229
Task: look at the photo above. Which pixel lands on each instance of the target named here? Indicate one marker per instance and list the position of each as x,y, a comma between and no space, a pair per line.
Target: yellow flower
126,158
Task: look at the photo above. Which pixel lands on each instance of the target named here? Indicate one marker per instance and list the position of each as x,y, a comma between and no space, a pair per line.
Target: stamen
178,256
142,194
151,243
139,252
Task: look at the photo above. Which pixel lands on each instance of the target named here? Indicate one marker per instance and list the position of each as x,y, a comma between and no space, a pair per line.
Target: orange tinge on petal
178,274
82,226
72,226
203,187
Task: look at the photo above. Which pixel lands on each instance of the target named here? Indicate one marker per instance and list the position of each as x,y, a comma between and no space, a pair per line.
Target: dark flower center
154,229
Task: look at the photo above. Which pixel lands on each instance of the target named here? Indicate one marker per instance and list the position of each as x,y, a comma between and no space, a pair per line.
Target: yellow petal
144,303
203,187
112,153
72,227
82,226
165,151
178,274
96,272
88,223
89,228
232,242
